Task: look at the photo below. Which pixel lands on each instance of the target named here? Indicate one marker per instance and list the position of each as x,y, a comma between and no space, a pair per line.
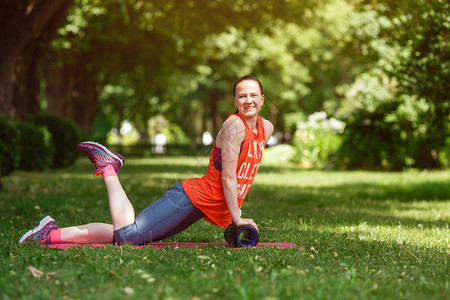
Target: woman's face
248,98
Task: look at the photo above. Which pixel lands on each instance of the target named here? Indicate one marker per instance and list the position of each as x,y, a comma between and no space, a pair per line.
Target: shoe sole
42,223
106,150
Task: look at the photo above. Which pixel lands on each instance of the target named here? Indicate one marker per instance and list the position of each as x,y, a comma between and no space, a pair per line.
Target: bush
9,147
65,137
36,147
316,141
371,143
444,154
279,155
389,130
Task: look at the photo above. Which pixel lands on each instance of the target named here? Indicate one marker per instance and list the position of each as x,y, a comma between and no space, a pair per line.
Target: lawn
360,235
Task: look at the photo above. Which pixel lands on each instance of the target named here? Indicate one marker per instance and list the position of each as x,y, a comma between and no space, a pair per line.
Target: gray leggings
169,215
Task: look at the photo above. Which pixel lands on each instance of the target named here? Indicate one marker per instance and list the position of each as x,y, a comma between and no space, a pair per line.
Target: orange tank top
206,193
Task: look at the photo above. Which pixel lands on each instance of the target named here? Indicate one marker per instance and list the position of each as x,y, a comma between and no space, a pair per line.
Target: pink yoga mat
175,245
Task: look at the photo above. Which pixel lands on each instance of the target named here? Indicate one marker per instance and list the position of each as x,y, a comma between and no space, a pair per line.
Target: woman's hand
242,222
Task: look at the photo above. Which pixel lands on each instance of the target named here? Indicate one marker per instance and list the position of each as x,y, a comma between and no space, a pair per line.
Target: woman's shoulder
234,122
233,129
266,122
268,128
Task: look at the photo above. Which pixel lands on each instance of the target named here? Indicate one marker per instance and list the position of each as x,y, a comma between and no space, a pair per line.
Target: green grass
361,235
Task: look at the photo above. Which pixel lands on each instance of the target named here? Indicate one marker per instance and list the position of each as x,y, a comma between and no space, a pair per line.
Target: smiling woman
246,78
217,196
248,98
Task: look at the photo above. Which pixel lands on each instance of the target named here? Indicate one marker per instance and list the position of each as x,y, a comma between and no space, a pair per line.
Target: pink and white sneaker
40,233
100,156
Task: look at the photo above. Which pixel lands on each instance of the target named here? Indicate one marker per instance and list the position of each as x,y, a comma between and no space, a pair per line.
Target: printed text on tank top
249,165
207,194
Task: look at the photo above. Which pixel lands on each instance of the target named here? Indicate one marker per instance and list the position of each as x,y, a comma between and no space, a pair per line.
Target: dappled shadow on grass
342,265
372,216
353,244
76,194
394,266
357,202
347,213
425,191
343,216
342,260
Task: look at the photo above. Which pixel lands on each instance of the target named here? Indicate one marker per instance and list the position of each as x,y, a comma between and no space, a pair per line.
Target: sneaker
100,156
40,233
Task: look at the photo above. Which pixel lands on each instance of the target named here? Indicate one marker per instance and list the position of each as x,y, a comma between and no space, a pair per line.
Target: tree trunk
214,99
26,29
26,85
6,87
72,93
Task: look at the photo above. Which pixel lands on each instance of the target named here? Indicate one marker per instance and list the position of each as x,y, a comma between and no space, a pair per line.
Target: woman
216,197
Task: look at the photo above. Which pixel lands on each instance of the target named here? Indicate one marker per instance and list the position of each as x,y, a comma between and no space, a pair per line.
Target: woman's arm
268,129
229,140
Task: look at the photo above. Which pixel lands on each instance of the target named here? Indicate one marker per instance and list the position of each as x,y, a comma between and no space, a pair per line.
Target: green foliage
9,147
36,147
384,129
376,60
391,136
317,140
102,125
175,135
279,155
444,154
65,136
369,142
171,48
397,111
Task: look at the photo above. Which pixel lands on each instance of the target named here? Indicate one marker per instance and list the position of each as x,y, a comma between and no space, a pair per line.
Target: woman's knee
130,235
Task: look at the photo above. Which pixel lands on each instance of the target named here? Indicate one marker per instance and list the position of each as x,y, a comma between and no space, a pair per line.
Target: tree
155,43
26,30
399,111
300,62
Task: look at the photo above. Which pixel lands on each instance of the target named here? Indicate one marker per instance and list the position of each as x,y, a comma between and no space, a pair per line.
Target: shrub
65,137
444,154
9,147
316,140
36,147
371,143
390,130
278,155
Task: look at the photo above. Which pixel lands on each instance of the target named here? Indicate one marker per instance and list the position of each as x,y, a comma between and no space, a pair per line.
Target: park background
356,173
348,84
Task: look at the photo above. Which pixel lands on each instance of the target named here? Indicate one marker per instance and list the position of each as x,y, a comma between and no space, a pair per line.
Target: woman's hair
247,77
